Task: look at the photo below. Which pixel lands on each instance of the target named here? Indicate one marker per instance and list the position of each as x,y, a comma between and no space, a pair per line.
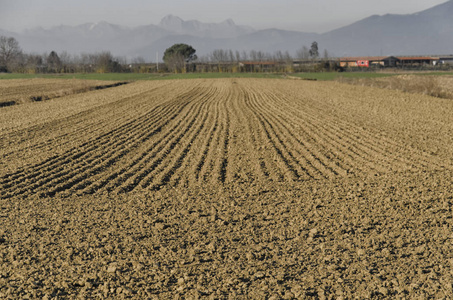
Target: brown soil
227,189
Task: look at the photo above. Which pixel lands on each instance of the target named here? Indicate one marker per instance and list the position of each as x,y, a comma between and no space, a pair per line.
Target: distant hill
426,32
225,29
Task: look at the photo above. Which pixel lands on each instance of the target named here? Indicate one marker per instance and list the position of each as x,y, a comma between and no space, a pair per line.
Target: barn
411,61
255,66
446,60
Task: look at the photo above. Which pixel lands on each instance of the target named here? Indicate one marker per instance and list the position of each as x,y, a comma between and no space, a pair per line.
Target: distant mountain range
426,32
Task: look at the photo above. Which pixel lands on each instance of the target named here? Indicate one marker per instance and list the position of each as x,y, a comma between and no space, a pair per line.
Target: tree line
220,60
13,59
177,58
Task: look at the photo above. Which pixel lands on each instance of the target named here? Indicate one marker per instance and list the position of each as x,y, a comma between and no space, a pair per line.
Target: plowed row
227,189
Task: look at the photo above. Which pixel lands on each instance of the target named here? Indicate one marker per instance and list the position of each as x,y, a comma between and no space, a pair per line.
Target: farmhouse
369,61
393,61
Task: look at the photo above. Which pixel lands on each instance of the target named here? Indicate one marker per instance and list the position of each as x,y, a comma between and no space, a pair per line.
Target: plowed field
230,188
21,91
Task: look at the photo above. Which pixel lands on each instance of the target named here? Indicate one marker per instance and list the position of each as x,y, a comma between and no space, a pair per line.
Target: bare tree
175,63
261,56
238,56
231,55
34,63
278,56
138,60
122,60
87,62
9,51
244,56
18,63
254,55
219,56
31,63
288,62
65,58
303,53
216,55
138,65
105,62
204,58
68,64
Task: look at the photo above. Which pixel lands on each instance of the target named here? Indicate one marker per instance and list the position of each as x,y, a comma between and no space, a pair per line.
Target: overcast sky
302,15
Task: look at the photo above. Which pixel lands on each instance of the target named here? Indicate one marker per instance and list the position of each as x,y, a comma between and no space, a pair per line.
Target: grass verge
328,76
324,76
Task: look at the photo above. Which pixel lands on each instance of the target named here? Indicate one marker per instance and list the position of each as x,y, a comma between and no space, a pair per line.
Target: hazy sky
302,15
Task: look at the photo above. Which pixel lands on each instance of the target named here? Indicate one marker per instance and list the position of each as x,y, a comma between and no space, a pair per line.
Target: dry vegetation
227,189
436,86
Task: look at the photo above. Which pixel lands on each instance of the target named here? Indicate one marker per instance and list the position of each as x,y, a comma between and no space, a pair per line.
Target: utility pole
157,61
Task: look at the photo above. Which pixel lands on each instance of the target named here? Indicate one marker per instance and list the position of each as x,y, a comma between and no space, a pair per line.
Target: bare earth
227,189
22,91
